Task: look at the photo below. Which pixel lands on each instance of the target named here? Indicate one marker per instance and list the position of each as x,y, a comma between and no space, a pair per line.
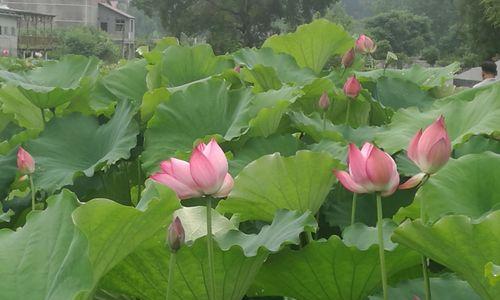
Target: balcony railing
31,42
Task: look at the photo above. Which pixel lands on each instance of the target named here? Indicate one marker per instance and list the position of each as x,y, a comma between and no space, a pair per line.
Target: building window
120,25
13,31
104,26
132,25
1,31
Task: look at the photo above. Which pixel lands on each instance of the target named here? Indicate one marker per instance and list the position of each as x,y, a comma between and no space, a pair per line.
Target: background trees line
437,30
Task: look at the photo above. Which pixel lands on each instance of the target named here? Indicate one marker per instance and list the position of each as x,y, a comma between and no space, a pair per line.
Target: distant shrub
431,55
88,41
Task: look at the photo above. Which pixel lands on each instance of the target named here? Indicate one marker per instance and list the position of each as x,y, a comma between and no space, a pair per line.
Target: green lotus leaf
263,78
492,272
46,258
466,186
235,267
313,126
463,119
202,109
300,182
330,269
337,150
46,88
27,115
426,78
312,44
268,108
446,288
76,144
400,93
262,61
128,81
255,148
150,102
8,173
459,243
182,65
477,144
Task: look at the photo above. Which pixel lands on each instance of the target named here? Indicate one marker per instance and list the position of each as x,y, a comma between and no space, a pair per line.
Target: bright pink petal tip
412,182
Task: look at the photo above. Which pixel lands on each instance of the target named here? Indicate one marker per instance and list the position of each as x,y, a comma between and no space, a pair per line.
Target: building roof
5,10
116,10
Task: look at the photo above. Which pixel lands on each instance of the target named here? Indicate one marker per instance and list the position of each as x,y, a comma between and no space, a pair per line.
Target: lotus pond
322,176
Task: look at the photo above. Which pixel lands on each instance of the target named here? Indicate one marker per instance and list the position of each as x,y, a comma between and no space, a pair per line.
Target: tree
230,24
406,32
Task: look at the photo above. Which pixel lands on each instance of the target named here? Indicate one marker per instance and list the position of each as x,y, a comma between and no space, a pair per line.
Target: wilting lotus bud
324,101
176,235
352,87
370,170
348,58
237,69
5,52
430,150
25,162
365,45
415,297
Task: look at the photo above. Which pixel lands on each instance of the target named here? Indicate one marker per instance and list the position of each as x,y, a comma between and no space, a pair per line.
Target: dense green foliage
88,41
97,133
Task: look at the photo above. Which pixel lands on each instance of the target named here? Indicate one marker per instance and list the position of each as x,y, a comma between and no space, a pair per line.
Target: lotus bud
352,87
206,173
370,170
365,45
430,150
176,235
237,69
25,162
324,101
348,58
5,52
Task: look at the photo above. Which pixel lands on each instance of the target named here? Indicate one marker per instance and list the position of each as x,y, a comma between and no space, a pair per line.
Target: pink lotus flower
176,235
352,87
365,44
205,174
430,150
370,170
324,101
25,162
348,58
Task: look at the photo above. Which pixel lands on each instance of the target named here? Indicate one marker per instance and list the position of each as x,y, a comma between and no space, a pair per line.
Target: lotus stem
353,209
348,111
210,250
381,245
425,269
171,267
324,121
32,187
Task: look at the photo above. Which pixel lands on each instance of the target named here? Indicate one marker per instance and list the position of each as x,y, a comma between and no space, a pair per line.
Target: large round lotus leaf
426,78
46,88
461,244
331,269
78,144
128,81
182,65
202,109
466,186
463,119
399,93
447,288
477,144
286,69
300,182
238,258
51,258
255,148
313,44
